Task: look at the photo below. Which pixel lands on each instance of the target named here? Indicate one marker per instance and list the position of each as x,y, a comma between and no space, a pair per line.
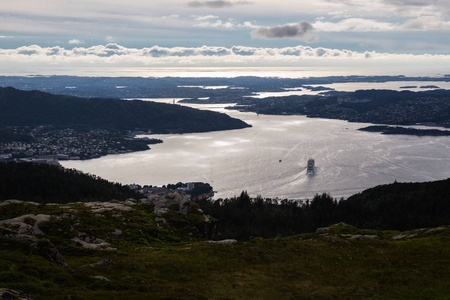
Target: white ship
310,166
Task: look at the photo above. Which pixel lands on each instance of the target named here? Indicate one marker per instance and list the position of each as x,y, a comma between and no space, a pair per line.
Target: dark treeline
48,183
398,206
8,137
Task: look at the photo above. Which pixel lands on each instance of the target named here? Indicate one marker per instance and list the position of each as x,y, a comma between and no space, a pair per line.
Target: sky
73,36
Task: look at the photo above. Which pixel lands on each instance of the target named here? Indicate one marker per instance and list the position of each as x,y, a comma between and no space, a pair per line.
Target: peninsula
34,123
365,106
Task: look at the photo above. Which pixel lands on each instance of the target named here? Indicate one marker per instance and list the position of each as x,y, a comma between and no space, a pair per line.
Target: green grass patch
157,260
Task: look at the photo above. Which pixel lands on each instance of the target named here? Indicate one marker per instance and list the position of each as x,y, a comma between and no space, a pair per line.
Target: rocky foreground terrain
97,225
162,249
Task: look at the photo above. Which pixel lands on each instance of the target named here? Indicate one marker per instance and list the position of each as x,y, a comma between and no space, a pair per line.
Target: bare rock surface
101,263
102,207
14,295
22,224
13,201
98,244
227,241
172,201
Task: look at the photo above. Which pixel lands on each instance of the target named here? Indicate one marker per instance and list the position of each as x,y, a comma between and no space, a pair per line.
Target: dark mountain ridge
31,108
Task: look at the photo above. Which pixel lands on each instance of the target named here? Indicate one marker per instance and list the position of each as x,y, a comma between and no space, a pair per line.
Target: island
406,131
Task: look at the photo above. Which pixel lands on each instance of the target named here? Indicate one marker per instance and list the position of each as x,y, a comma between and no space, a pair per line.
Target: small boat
310,166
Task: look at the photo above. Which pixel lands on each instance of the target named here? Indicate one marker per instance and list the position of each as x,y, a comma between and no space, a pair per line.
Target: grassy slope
155,263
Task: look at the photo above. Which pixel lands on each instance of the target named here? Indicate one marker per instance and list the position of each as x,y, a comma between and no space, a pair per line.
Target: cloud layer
114,53
336,23
115,60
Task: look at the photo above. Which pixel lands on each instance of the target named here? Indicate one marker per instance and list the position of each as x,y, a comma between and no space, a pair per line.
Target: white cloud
171,17
214,22
353,24
76,42
204,18
426,23
110,39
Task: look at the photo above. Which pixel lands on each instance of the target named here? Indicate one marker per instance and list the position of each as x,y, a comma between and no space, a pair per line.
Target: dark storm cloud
288,31
216,3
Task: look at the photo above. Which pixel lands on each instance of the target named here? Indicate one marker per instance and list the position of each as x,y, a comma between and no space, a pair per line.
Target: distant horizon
233,72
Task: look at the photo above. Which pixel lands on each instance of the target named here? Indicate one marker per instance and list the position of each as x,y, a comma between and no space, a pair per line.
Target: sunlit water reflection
270,158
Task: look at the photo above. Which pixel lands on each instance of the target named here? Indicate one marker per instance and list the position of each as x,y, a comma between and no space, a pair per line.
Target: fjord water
269,159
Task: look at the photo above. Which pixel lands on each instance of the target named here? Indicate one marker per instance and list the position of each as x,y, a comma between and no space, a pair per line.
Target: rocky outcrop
14,201
342,230
49,252
26,224
172,202
181,204
26,229
360,236
14,295
97,244
340,224
223,242
101,263
102,207
403,236
77,223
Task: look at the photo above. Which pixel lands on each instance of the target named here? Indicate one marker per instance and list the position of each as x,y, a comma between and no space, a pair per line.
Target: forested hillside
48,183
7,137
31,108
397,206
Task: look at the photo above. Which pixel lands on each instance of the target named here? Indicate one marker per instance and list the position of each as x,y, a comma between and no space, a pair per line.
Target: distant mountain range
184,87
32,108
